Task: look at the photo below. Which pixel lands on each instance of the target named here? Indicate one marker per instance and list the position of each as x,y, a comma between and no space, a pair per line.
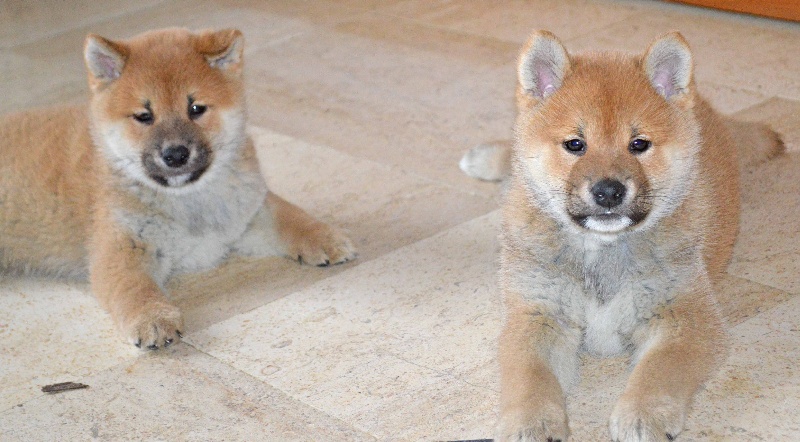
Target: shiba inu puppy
619,217
156,177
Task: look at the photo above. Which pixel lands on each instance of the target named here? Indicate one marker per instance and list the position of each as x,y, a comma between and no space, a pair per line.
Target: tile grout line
466,33
789,295
761,283
445,373
350,269
78,25
267,383
389,167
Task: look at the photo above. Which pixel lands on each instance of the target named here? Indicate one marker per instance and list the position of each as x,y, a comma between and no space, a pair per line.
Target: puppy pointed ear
543,65
669,66
104,59
223,49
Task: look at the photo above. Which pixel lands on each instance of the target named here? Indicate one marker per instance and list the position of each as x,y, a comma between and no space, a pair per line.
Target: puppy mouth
608,222
176,174
180,179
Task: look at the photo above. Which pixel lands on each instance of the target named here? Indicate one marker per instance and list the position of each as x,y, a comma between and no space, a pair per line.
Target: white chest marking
194,231
607,326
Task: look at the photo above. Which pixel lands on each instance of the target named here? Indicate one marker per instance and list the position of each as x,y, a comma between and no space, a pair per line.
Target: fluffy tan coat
155,177
619,219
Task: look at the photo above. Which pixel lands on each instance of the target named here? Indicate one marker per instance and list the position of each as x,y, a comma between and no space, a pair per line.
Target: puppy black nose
175,156
608,193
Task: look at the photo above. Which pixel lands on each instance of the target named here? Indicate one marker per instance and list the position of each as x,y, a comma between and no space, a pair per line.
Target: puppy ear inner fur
223,49
668,64
104,59
543,64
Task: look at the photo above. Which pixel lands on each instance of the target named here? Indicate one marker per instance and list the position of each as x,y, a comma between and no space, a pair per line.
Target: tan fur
307,239
640,281
77,197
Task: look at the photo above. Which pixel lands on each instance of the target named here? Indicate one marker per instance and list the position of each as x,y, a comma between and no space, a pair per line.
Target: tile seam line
762,284
91,374
450,29
316,28
601,29
113,16
386,166
466,33
793,293
734,88
767,94
101,19
729,325
288,395
227,365
347,271
445,373
784,96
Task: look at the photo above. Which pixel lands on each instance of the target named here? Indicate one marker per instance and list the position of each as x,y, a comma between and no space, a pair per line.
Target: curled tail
489,161
755,142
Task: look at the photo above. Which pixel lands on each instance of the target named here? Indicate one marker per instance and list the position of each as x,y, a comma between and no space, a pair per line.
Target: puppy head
606,143
167,105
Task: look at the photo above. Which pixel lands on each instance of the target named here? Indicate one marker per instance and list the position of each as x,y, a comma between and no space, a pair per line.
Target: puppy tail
488,161
756,142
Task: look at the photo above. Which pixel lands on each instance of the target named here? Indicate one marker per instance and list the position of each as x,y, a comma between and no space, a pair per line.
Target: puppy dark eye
575,146
144,117
195,110
639,145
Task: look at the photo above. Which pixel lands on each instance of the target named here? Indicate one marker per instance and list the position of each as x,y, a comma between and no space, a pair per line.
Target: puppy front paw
322,245
651,420
545,423
158,324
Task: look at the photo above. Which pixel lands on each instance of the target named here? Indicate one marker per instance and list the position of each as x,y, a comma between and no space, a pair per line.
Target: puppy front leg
281,228
120,277
684,344
538,360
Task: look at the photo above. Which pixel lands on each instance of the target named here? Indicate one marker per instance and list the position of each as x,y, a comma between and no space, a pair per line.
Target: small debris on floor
64,386
473,440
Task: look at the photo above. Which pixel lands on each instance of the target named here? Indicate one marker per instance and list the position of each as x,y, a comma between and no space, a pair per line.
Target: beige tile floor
361,110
